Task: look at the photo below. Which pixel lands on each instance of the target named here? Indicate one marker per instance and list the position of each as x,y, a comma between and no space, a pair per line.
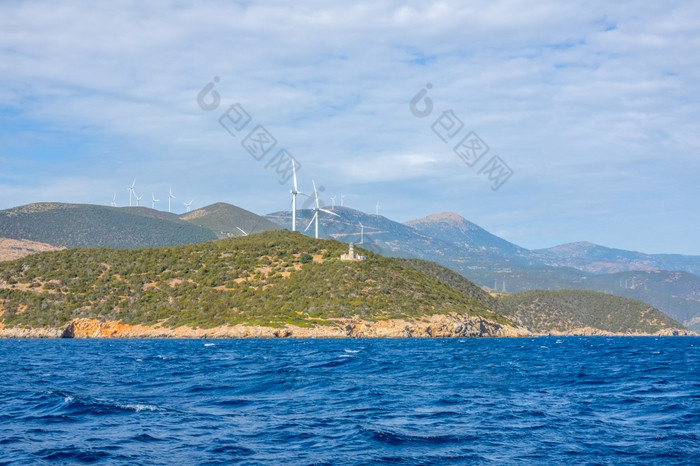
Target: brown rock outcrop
436,326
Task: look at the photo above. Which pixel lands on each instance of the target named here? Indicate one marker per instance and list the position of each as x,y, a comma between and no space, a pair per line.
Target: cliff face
436,326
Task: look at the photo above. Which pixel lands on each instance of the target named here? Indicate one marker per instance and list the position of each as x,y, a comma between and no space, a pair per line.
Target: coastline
436,326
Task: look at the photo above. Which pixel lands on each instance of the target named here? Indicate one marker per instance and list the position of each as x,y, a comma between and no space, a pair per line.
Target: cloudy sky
591,107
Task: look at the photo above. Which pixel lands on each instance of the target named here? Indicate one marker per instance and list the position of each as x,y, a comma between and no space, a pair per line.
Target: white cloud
571,95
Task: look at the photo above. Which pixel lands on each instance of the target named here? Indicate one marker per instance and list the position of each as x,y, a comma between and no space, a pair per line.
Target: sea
569,400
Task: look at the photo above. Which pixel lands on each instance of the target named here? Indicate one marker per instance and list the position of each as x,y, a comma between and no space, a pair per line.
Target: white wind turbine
114,200
188,204
241,230
170,198
153,201
342,199
294,193
332,202
138,198
376,209
131,190
362,233
317,210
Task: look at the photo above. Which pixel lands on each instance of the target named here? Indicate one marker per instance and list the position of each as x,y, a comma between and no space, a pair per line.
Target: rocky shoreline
436,326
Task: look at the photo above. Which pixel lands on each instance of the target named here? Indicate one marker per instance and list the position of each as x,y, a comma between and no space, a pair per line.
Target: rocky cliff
436,326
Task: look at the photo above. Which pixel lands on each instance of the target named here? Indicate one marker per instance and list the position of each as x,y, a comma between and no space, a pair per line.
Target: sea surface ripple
406,401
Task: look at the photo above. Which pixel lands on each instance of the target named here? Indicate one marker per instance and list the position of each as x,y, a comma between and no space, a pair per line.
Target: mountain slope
471,238
226,219
600,259
11,249
84,225
381,235
565,311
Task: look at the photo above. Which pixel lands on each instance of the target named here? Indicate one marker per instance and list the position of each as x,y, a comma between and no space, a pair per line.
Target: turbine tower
376,209
188,204
170,198
131,190
316,212
342,199
114,200
138,198
362,233
332,202
294,193
153,201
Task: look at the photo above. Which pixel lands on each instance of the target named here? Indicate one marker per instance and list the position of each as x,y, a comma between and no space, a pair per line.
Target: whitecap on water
209,344
138,407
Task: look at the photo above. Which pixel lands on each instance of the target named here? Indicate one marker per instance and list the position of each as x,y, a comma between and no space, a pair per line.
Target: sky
543,122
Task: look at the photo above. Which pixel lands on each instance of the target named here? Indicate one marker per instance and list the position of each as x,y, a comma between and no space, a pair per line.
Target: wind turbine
188,204
138,198
294,193
377,208
241,230
342,198
131,190
332,202
317,210
362,233
153,201
114,200
170,197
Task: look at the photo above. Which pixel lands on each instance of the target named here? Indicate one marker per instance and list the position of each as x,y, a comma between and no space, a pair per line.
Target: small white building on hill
351,256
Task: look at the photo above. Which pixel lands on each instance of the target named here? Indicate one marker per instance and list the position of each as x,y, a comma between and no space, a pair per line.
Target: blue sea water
409,401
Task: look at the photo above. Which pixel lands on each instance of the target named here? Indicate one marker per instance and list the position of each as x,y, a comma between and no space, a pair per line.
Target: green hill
84,225
226,219
276,278
269,279
566,310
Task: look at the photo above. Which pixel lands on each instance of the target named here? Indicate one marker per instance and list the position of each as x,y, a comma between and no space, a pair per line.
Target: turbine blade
315,194
311,222
329,212
294,173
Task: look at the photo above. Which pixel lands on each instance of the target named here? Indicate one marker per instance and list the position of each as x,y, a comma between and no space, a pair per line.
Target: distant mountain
226,219
84,225
381,234
600,259
471,238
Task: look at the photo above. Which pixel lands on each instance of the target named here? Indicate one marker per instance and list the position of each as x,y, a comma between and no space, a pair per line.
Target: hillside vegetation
82,225
565,310
453,280
270,279
226,219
